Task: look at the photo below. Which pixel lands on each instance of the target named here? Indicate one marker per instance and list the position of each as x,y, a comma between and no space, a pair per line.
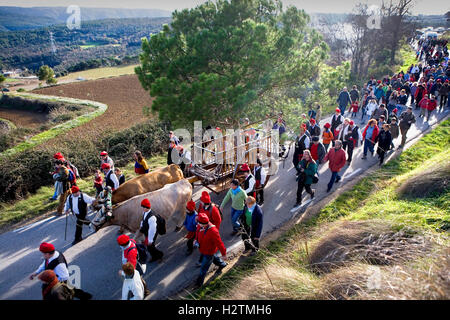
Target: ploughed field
124,96
23,118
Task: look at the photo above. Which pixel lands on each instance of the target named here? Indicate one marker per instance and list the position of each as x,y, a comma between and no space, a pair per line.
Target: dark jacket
343,99
384,140
406,119
354,95
257,222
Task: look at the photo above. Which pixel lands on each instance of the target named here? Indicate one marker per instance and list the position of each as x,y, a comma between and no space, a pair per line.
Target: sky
310,6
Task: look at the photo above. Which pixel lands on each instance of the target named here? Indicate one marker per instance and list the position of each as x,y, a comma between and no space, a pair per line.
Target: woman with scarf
238,197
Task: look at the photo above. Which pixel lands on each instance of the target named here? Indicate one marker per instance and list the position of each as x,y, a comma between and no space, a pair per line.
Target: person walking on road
249,182
77,203
252,222
351,138
343,100
190,223
327,136
369,135
307,168
260,179
209,241
53,260
384,140
407,118
132,288
238,197
53,289
130,254
302,143
148,229
56,262
317,150
336,158
211,210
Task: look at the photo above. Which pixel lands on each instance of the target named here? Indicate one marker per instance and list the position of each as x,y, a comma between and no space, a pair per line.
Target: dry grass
276,282
429,280
436,180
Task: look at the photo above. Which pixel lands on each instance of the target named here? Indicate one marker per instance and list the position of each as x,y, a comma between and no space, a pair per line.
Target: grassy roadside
282,270
38,203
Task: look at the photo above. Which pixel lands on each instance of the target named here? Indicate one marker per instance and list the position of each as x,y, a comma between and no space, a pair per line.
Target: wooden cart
222,157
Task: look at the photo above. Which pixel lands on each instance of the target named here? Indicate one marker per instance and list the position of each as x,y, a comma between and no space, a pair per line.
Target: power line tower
52,42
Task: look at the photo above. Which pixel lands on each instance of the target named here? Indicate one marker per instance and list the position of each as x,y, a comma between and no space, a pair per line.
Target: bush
27,171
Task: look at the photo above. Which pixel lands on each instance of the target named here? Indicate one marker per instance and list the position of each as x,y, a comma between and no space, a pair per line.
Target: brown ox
147,182
169,201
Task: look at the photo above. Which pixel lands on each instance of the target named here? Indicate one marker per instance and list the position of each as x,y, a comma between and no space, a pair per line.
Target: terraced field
124,96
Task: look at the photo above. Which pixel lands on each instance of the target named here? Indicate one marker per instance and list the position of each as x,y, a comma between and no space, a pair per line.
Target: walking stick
65,230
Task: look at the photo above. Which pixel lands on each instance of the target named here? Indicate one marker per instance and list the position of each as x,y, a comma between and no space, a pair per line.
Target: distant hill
20,18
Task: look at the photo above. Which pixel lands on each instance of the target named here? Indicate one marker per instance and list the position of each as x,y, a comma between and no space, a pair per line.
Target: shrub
27,171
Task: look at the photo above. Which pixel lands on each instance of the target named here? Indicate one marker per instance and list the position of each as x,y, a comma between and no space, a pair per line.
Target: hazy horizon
428,7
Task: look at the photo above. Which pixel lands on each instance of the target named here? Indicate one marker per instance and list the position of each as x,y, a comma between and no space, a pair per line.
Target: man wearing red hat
77,203
351,137
53,260
110,177
211,210
148,228
130,255
190,223
104,157
313,128
249,182
336,120
209,241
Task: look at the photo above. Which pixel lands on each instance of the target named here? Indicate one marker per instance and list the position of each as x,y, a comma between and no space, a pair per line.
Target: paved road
98,255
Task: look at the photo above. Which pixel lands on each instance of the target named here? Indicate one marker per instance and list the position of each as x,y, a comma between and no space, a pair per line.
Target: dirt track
123,95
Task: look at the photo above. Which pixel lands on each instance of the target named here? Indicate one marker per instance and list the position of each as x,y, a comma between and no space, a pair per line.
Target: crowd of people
386,105
384,108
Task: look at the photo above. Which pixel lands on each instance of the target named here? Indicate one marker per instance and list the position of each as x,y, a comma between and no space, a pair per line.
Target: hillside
20,18
98,43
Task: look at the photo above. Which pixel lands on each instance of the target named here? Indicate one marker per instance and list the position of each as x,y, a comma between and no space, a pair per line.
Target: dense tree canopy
216,61
46,73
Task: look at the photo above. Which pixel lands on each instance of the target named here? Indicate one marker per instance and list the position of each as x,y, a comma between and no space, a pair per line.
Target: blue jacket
257,222
190,223
378,93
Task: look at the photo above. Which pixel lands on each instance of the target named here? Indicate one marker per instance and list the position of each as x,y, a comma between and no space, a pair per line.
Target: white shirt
75,209
263,174
134,285
251,184
113,179
60,270
151,226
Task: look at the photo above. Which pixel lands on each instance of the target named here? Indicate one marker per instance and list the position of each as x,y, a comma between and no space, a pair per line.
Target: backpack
160,224
74,170
68,292
141,252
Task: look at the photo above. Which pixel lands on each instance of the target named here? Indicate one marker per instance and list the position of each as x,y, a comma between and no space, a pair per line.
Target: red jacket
423,102
130,253
375,133
209,241
336,159
213,215
431,105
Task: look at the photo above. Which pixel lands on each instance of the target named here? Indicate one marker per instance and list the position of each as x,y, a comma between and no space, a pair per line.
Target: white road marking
300,206
352,174
33,225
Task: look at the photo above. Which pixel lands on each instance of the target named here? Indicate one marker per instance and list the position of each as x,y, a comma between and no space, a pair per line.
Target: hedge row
27,171
36,105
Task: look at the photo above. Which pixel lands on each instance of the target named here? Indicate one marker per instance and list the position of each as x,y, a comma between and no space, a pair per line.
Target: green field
98,73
